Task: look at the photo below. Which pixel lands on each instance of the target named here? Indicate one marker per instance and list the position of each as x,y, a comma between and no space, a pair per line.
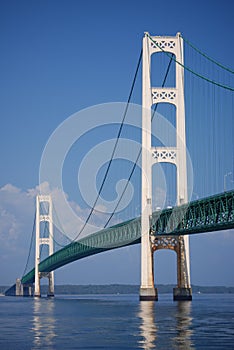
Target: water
117,322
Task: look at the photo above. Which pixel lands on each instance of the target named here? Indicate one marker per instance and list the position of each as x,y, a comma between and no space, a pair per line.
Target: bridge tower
40,217
151,155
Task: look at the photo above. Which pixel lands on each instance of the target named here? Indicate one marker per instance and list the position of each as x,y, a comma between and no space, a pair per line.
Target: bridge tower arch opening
162,65
174,154
165,266
43,219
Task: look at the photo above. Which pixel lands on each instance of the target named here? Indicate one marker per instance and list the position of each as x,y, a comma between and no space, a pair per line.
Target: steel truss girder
210,214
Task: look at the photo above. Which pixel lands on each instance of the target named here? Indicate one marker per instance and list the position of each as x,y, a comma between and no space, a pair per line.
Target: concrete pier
147,294
182,294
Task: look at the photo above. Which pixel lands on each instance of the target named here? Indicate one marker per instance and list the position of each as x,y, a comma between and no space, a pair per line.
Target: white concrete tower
151,155
41,240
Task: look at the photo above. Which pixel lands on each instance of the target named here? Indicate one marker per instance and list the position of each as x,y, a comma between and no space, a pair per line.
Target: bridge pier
147,289
183,291
50,292
51,285
27,290
37,289
180,294
18,288
148,294
23,290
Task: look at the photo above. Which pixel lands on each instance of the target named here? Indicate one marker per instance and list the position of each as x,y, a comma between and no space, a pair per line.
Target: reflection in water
43,323
171,330
148,328
182,340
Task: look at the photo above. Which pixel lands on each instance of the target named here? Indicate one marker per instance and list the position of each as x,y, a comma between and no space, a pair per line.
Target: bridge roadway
213,213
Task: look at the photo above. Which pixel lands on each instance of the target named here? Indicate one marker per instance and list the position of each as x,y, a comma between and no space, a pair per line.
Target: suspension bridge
201,97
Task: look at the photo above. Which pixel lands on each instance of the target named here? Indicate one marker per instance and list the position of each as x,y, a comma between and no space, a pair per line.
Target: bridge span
213,213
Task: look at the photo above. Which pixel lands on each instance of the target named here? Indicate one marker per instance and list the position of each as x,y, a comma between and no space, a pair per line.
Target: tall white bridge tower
46,202
173,95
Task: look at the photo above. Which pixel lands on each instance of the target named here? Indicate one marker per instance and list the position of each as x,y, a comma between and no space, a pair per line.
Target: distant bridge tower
150,96
46,202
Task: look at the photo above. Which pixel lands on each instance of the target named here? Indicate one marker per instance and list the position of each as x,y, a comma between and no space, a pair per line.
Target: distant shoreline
126,289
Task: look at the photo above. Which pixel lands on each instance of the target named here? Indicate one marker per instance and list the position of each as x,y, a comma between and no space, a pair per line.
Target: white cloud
17,212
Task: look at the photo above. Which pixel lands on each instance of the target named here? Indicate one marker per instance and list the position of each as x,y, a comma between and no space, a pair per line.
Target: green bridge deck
210,214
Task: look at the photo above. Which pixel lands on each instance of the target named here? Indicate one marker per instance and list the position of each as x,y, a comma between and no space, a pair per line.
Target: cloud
16,215
68,217
17,212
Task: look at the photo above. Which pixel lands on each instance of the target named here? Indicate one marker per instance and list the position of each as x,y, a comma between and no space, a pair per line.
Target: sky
59,57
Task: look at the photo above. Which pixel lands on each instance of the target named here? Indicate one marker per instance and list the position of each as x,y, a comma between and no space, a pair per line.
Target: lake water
117,322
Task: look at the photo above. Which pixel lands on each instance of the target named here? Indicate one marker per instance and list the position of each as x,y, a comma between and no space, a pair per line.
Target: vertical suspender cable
31,242
114,149
139,154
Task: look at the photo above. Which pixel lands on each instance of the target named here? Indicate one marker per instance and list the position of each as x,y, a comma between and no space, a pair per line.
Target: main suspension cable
30,247
206,56
191,70
62,230
139,153
114,149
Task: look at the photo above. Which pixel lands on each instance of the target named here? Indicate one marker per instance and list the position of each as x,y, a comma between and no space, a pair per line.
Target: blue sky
58,57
